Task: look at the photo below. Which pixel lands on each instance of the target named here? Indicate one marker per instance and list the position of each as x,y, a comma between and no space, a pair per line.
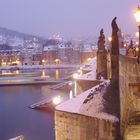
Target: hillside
12,33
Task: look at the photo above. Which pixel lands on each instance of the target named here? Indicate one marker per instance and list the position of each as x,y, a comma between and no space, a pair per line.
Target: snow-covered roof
89,103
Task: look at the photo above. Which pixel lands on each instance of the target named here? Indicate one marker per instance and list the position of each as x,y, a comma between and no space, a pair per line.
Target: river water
16,118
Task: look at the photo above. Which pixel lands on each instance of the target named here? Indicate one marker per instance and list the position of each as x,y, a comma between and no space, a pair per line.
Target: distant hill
12,33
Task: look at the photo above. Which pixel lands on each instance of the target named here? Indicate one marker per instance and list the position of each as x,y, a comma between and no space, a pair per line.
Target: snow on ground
88,76
89,103
93,105
90,66
73,105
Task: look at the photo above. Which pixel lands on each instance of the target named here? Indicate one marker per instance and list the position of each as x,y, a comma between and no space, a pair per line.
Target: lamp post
137,16
57,61
43,61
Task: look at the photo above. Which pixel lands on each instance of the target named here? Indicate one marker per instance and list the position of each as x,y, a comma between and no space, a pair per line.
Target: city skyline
70,19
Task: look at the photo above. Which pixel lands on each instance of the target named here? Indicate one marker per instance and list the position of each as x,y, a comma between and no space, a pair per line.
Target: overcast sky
69,18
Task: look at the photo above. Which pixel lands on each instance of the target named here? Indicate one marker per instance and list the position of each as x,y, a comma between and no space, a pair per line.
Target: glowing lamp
75,75
137,34
43,61
56,100
137,43
137,49
137,15
70,83
88,59
56,60
110,39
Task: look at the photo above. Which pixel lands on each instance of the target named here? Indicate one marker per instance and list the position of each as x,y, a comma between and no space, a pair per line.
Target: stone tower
115,55
101,57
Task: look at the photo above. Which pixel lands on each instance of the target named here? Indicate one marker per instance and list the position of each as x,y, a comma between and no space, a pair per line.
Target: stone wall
83,85
102,63
70,126
109,65
129,75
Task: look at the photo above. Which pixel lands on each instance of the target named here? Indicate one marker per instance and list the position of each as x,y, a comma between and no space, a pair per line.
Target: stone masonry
69,126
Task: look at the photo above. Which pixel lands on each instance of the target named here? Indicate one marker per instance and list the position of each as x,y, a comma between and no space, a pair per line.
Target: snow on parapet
93,105
91,65
88,76
89,103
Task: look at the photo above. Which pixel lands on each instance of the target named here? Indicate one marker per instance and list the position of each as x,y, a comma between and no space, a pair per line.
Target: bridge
63,66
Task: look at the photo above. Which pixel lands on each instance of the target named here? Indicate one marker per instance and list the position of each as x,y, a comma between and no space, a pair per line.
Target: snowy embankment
91,102
91,68
91,65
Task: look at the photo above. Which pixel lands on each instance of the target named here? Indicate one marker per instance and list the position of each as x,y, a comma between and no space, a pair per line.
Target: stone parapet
129,75
102,63
69,126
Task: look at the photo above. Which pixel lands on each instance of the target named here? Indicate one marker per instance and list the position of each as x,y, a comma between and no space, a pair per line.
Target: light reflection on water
54,73
43,73
17,119
57,74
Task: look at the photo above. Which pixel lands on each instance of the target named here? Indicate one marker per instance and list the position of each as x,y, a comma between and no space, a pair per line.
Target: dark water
17,119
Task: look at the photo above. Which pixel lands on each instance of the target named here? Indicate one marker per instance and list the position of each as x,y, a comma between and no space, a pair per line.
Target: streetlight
79,72
56,61
88,59
43,61
109,39
56,100
137,16
137,34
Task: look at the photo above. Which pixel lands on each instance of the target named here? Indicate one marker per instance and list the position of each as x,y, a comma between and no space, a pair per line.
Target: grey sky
69,18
